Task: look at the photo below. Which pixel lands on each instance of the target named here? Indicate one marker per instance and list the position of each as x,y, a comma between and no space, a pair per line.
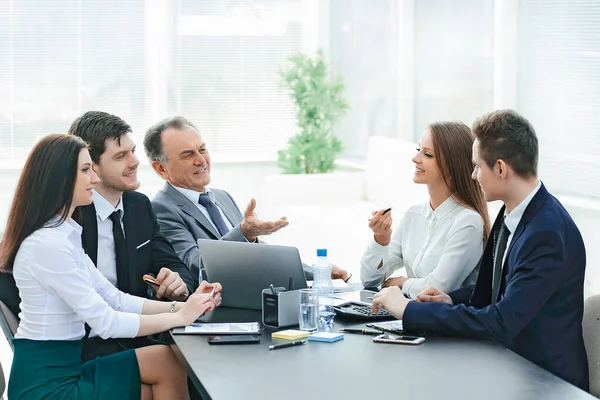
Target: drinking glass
309,310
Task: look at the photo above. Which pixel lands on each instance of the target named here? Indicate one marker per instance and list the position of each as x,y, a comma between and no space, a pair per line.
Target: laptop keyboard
361,311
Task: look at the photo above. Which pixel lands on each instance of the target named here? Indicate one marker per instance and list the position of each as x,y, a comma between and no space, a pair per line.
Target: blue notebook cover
328,337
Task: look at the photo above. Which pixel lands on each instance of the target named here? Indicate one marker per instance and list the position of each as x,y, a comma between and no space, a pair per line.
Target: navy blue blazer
540,310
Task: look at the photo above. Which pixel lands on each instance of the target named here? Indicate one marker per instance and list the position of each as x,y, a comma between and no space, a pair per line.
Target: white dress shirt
61,289
512,219
107,256
194,196
438,248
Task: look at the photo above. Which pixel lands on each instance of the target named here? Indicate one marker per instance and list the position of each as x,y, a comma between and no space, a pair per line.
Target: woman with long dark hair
61,290
440,242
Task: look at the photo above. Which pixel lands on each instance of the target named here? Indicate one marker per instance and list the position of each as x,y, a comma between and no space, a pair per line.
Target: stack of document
339,286
232,328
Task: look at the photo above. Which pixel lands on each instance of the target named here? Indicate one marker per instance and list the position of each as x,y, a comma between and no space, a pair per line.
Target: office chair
9,323
591,337
2,382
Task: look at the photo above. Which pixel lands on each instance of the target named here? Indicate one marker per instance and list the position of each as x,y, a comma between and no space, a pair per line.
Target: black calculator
361,311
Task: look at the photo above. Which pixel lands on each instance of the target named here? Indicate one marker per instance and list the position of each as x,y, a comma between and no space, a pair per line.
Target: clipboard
227,328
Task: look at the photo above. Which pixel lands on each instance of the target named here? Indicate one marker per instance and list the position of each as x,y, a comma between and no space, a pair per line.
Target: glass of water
309,310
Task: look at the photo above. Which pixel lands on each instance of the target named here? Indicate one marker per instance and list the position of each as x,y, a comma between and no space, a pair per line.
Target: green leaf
319,97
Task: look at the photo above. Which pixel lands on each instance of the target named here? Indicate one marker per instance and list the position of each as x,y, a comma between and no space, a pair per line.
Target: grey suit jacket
182,223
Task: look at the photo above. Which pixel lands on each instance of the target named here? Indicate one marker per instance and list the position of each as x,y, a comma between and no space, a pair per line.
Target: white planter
284,190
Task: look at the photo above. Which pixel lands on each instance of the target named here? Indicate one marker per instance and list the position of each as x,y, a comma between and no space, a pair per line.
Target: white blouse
438,248
61,289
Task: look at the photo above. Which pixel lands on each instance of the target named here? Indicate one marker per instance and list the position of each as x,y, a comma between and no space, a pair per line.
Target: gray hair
152,139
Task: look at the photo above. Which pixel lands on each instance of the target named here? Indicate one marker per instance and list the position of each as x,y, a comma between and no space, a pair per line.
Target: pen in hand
360,331
284,345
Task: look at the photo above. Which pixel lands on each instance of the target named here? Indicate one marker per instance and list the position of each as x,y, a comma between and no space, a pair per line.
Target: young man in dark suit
529,292
120,231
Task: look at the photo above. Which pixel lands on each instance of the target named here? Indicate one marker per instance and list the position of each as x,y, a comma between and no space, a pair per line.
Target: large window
62,57
453,60
215,62
363,48
405,63
558,89
225,57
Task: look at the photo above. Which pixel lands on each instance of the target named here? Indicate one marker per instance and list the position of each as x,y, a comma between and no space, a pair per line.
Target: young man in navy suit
529,292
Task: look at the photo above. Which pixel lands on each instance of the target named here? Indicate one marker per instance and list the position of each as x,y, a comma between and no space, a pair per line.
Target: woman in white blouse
440,242
61,290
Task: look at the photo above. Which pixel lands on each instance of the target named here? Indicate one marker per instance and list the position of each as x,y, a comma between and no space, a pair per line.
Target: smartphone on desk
234,339
398,339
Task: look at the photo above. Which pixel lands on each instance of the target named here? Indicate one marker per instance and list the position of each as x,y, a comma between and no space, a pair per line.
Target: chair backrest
9,322
591,337
2,382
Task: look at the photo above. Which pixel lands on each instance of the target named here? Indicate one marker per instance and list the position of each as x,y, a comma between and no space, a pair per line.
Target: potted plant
320,102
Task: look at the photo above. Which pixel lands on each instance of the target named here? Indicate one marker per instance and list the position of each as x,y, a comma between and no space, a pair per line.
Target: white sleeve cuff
377,249
406,287
129,325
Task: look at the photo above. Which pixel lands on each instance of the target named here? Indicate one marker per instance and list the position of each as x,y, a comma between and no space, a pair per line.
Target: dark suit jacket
540,310
140,226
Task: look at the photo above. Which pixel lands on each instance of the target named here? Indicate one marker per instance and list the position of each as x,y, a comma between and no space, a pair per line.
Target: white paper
232,327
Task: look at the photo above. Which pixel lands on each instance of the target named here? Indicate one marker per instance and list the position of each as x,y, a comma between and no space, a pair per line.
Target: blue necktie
214,213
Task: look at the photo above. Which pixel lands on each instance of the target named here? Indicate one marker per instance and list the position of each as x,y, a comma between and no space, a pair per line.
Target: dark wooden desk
357,368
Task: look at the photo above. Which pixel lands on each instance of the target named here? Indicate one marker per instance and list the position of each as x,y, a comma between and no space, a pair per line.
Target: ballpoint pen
284,345
360,331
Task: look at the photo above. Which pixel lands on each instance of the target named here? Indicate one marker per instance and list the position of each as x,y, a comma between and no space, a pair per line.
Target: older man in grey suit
186,208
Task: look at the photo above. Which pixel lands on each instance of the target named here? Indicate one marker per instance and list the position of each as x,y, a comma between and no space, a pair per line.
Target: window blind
218,67
363,48
453,61
225,57
61,58
558,90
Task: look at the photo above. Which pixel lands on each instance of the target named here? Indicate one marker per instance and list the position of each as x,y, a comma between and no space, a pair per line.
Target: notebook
328,337
290,334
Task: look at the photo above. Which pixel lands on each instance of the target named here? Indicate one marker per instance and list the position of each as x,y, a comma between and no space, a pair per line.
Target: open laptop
245,269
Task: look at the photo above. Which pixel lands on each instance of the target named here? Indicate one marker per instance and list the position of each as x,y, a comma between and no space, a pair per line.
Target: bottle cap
321,252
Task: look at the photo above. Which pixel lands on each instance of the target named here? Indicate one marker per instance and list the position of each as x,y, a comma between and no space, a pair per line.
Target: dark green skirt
52,370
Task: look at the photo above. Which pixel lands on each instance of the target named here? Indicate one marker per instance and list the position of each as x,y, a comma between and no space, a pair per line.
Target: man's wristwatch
173,304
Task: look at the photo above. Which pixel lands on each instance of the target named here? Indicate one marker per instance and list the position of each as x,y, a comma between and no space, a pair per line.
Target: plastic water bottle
322,282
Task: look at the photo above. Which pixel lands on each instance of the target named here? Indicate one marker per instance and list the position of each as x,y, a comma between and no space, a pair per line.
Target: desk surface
357,368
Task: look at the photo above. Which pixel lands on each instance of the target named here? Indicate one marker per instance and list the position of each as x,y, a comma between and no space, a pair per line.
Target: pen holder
280,310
